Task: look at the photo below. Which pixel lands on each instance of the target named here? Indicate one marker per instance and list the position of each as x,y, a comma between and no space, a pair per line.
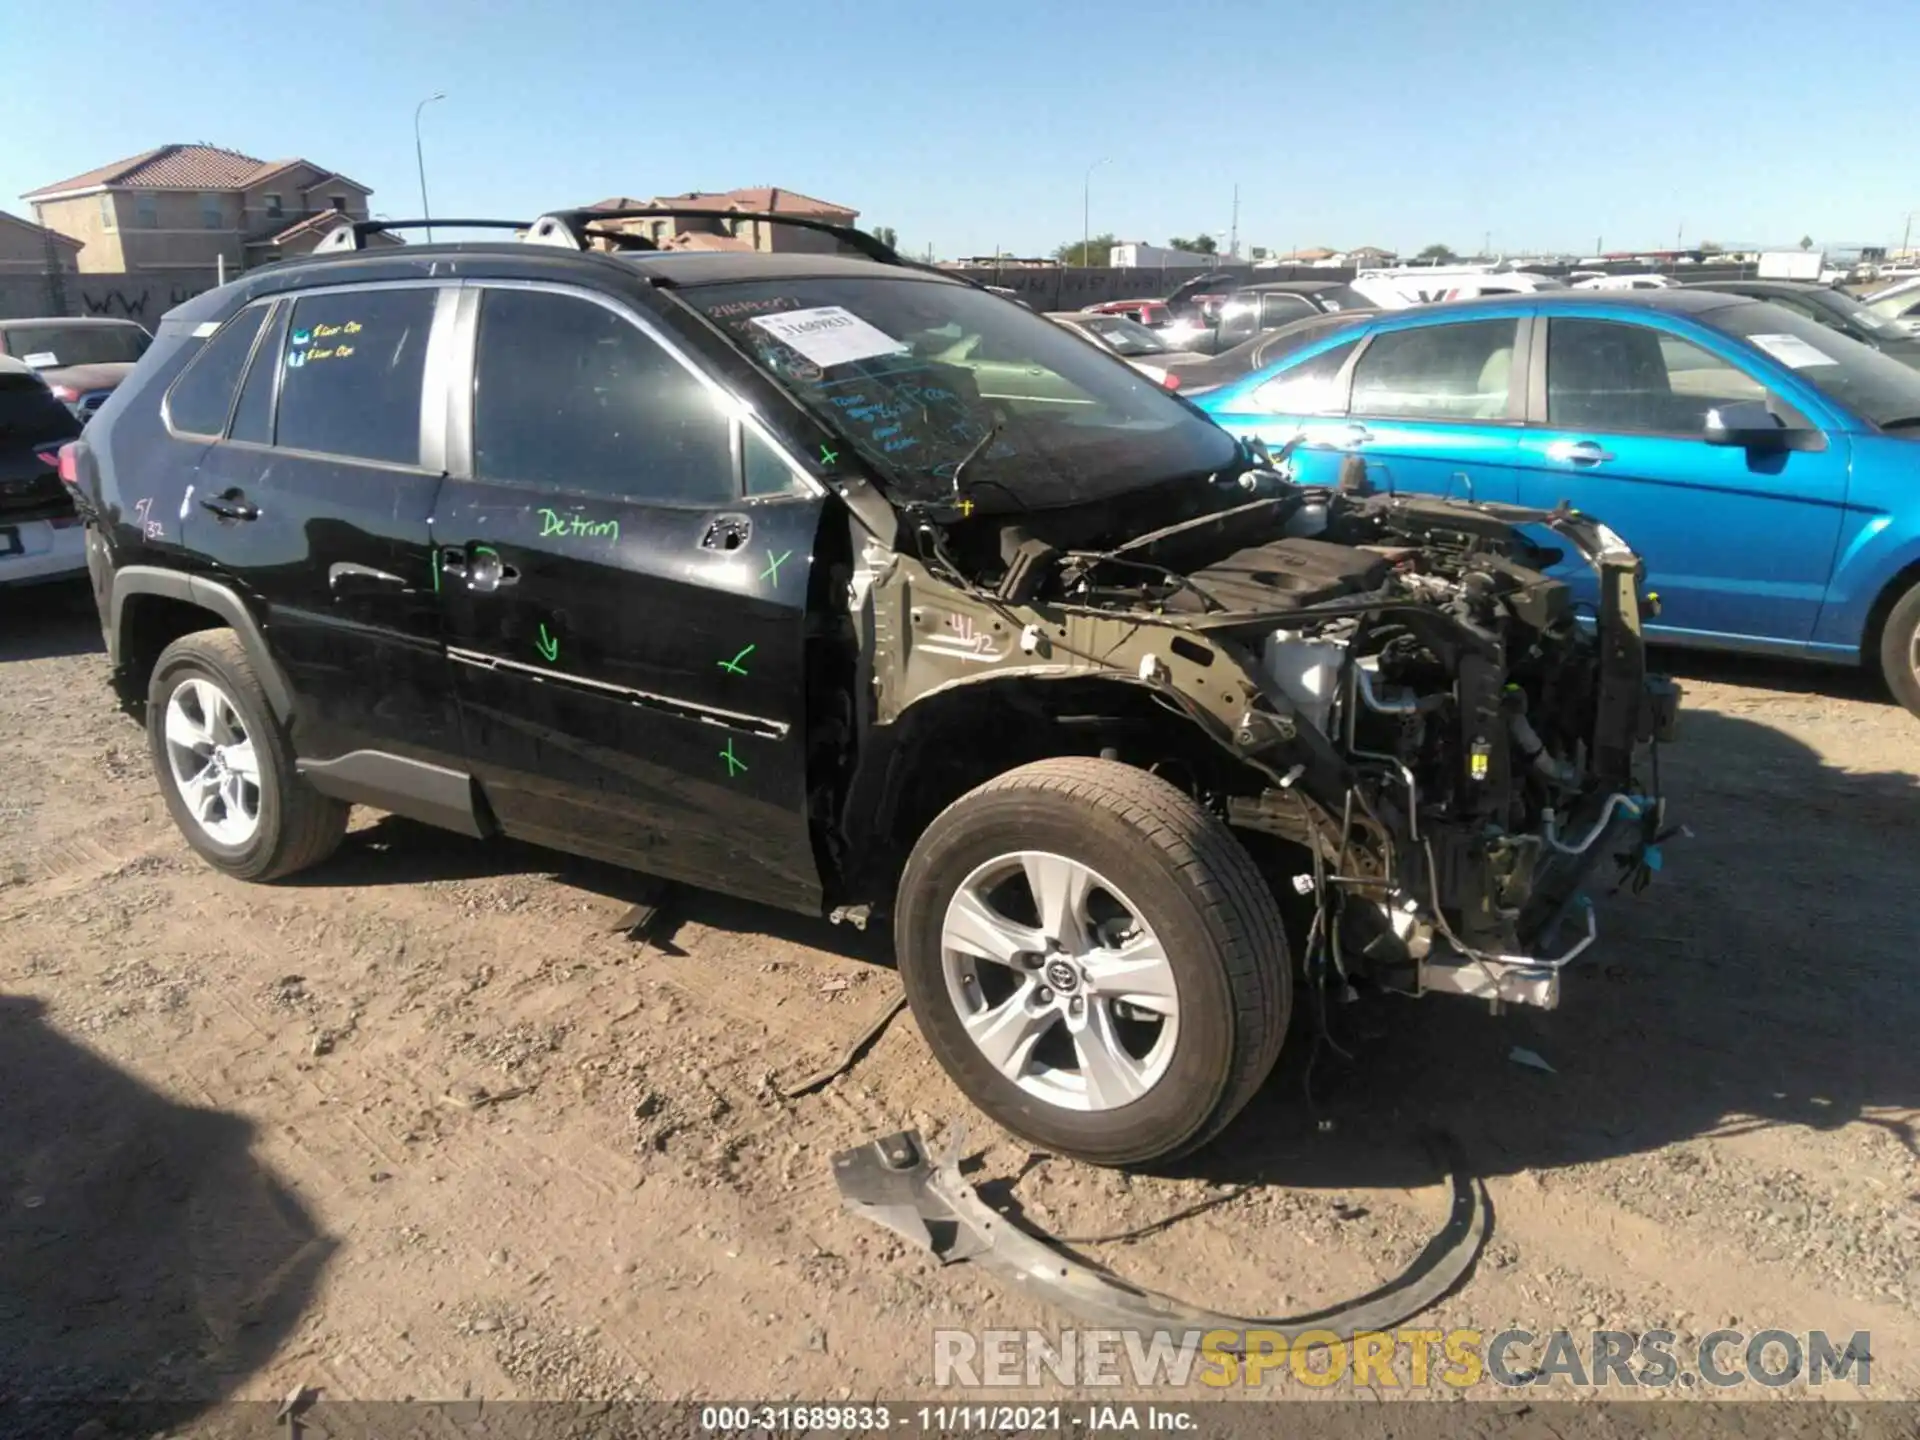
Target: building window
146,212
106,212
210,213
276,207
339,203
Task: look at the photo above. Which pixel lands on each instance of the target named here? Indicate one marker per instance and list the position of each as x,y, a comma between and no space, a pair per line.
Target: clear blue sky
1393,123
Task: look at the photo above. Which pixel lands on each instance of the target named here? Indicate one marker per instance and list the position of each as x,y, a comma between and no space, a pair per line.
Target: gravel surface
424,1123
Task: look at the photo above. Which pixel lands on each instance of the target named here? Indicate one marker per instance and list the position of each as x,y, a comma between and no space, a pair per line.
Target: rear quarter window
201,398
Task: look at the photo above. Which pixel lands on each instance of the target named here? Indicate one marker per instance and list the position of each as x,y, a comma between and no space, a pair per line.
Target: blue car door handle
1577,452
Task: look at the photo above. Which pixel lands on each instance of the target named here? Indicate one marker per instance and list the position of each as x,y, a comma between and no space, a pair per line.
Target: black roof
714,267
1685,301
1294,287
1765,287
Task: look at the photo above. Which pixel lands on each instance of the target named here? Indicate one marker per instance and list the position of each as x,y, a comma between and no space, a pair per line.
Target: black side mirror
1752,426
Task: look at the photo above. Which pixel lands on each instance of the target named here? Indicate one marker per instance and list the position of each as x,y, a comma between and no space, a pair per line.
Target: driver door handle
479,565
231,505
1577,452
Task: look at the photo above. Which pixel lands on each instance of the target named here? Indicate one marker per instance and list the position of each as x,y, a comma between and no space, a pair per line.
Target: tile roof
43,230
181,167
769,199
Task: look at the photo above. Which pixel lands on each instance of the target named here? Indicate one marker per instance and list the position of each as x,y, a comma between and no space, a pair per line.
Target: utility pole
1233,236
420,159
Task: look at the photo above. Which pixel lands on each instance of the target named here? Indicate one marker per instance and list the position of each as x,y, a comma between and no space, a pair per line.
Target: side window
253,416
1310,388
570,394
767,473
1608,376
1279,308
200,399
1437,372
351,374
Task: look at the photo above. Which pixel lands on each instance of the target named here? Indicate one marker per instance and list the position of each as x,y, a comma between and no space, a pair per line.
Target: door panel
1434,409
333,548
628,650
1737,545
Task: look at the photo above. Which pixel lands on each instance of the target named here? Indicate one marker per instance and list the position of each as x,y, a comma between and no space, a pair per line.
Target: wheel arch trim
209,595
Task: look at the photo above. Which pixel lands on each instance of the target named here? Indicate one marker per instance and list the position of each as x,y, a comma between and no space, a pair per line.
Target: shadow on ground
145,1255
1768,977
1762,672
43,622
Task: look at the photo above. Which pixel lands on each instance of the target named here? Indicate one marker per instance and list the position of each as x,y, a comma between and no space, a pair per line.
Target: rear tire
225,766
1900,650
1177,961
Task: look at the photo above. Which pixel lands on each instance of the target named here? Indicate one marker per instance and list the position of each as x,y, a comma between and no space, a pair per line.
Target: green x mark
827,457
733,666
774,562
735,765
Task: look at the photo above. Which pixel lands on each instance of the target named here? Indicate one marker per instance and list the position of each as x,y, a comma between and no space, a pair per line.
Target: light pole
1906,238
420,159
1086,211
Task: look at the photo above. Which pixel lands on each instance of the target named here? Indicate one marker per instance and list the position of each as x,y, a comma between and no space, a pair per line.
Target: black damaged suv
831,581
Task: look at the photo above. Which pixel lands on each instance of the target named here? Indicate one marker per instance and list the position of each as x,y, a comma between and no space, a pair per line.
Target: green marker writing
548,645
827,457
774,562
735,765
734,666
552,522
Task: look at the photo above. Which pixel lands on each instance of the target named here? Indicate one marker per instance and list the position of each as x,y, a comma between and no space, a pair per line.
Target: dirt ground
423,1124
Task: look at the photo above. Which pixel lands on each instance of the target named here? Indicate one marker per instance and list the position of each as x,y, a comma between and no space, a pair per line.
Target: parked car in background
1145,349
81,359
1835,309
1147,312
1207,372
1228,318
40,534
1433,284
1899,301
1765,466
1623,282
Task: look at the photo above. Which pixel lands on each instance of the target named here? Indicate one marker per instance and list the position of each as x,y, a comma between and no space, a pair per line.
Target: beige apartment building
190,207
716,229
30,249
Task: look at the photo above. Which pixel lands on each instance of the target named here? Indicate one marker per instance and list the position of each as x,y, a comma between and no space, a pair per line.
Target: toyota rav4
753,572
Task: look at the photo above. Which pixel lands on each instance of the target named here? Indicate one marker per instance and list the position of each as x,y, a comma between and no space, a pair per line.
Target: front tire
1900,650
226,768
1094,959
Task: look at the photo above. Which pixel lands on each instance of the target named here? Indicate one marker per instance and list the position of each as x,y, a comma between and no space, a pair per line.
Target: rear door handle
1577,452
231,505
480,566
344,575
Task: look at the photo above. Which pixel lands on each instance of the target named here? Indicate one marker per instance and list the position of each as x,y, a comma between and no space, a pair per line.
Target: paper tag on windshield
40,359
1792,351
829,335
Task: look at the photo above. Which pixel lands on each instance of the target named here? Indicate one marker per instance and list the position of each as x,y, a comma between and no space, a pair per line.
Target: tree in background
1199,245
1438,253
1097,251
887,236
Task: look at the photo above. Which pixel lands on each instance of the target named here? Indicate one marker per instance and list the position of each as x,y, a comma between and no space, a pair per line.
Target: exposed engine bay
1451,742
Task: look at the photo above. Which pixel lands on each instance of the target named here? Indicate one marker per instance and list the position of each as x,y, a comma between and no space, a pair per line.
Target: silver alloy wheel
213,761
1059,981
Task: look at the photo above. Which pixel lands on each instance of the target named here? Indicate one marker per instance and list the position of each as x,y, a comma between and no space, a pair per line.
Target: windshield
916,374
1884,327
1126,337
1859,377
47,347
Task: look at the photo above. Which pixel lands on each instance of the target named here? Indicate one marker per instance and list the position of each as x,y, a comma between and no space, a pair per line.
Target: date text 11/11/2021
947,1419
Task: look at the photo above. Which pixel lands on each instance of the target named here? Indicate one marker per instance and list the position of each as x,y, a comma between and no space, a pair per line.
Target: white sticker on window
1792,351
40,359
829,334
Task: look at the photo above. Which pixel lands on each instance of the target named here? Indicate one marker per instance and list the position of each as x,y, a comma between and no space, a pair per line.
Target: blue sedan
1767,468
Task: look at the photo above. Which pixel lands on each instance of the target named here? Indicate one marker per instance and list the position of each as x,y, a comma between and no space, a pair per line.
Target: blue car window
1437,372
1309,388
1623,378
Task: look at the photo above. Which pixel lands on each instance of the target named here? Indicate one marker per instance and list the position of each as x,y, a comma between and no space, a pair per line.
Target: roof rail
355,236
569,229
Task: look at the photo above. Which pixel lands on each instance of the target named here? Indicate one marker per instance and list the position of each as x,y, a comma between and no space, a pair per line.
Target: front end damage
1453,751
